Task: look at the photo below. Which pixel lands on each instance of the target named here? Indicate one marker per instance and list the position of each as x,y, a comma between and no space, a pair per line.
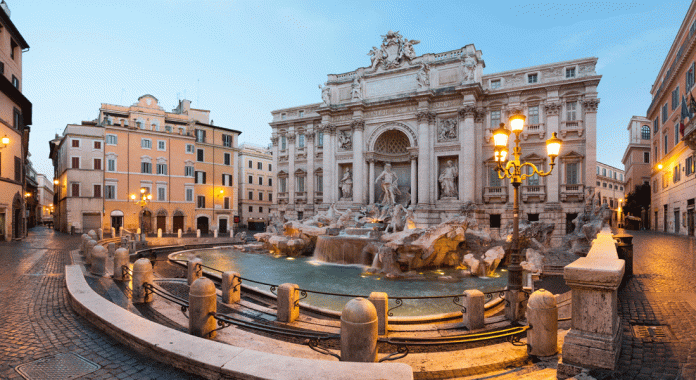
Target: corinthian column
467,158
309,137
424,148
590,108
371,179
552,181
291,169
414,174
274,204
358,162
332,170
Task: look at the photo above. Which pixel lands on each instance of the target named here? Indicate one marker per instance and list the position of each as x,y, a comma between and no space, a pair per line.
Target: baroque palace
430,118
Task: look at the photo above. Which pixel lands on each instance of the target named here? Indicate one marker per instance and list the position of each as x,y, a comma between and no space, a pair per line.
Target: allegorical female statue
347,184
448,179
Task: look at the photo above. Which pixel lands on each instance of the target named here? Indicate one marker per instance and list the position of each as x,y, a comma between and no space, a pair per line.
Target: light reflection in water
348,279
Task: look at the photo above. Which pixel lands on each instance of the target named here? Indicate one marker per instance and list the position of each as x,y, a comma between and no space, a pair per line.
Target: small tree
638,200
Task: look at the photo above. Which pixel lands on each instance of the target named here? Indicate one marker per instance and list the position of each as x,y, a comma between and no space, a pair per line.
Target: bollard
88,251
195,270
124,241
92,234
142,274
111,247
132,246
231,234
624,249
473,311
159,233
83,243
100,234
121,259
288,302
143,239
137,237
542,315
179,233
215,233
137,232
98,267
359,331
231,287
202,307
113,232
198,233
381,302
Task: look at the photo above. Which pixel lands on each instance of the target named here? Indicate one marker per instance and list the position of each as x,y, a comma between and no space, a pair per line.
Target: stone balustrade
594,340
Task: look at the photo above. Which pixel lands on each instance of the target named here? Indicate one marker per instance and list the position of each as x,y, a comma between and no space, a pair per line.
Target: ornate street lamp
141,201
5,141
512,169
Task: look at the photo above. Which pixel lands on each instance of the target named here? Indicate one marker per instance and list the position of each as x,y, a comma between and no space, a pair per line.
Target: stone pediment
571,155
533,157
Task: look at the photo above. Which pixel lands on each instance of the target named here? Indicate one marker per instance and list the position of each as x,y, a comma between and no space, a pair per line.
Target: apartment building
610,189
636,159
255,186
179,161
15,119
673,141
45,199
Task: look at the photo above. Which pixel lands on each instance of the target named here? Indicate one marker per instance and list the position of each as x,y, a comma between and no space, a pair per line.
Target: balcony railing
495,194
572,192
532,193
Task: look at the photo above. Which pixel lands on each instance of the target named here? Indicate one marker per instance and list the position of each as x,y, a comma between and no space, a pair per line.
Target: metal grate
656,333
58,367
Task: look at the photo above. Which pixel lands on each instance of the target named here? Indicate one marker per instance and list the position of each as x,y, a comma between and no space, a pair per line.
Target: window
598,172
227,140
200,177
17,169
572,173
318,183
189,194
199,155
226,203
300,184
646,157
655,154
301,113
495,84
76,162
146,167
282,185
664,113
493,179
270,167
666,143
259,166
656,125
571,111
261,210
495,220
676,134
251,208
532,78
97,164
689,78
283,116
270,197
533,217
146,143
188,171
15,82
111,164
251,179
168,128
675,98
75,143
300,141
111,139
260,180
676,174
621,188
161,145
599,184
110,192
645,132
534,179
200,136
604,184
75,187
570,72
689,166
162,169
97,145
161,193
495,119
533,115
17,119
251,164
251,196
320,140
201,201
13,48
189,148
227,159
270,182
260,196
604,172
96,193
283,143
227,180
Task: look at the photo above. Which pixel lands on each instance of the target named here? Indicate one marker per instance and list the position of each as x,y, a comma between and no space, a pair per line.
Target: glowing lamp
517,123
659,166
500,136
56,182
5,140
553,146
133,196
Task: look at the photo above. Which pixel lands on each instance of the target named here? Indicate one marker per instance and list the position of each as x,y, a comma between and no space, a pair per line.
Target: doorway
178,222
222,224
162,221
146,221
117,223
202,224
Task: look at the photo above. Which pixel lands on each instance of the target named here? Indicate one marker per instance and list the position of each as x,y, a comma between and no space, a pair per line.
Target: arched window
645,132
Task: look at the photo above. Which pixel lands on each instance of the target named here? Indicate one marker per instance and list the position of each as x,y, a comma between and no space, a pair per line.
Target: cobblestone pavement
658,309
36,320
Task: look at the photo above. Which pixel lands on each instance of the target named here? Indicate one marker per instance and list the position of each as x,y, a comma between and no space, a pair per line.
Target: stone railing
572,192
573,124
495,194
594,340
533,193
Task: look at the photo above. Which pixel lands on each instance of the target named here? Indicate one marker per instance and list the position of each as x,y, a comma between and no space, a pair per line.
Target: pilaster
291,168
358,126
552,182
467,158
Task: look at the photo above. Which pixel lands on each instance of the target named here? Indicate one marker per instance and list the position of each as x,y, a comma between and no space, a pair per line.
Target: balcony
282,198
300,197
533,193
690,134
572,193
495,194
534,130
318,197
573,126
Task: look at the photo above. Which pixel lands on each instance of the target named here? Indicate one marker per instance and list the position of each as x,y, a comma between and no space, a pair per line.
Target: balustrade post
473,312
202,307
231,287
121,259
98,267
288,302
381,302
142,274
195,270
359,331
111,247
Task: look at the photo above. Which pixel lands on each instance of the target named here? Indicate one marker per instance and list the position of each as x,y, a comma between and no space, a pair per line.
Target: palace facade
430,117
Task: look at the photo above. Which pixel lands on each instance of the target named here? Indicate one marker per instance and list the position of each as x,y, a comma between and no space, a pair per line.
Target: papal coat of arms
394,51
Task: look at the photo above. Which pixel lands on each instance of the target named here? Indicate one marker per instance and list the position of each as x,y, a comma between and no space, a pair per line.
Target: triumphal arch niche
426,121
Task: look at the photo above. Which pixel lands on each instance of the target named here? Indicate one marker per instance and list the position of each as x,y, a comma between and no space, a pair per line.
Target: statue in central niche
389,185
448,181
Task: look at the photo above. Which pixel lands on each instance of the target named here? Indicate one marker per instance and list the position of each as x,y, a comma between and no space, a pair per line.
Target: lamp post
512,169
145,197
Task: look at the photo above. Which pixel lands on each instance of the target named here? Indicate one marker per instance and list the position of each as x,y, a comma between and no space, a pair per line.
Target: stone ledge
209,358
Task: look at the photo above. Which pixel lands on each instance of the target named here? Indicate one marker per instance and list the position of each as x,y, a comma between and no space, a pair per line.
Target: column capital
309,137
331,128
274,140
425,115
358,125
480,114
291,137
370,157
590,105
552,108
467,111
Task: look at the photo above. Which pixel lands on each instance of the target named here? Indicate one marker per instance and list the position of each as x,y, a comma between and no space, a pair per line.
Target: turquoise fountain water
347,279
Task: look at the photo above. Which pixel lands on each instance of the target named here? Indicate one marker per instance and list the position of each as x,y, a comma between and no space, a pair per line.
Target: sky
243,59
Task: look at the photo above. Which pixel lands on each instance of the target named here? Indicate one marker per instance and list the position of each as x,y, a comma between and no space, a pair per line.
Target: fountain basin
343,249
